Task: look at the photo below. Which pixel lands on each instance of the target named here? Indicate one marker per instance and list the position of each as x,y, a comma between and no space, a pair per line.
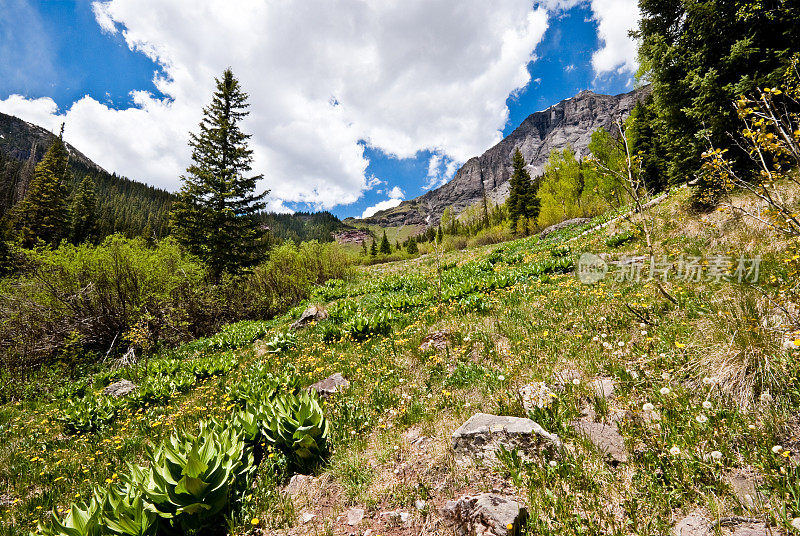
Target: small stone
306,517
745,485
603,387
120,388
694,524
330,385
354,516
396,516
483,434
435,340
484,514
605,437
756,529
419,504
297,484
313,313
536,395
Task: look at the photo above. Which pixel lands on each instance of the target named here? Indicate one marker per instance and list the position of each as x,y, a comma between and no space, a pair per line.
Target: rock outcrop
482,435
571,122
487,514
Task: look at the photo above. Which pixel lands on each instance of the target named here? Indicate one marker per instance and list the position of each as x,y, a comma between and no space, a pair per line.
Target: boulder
487,514
754,528
605,437
483,434
313,313
330,385
120,388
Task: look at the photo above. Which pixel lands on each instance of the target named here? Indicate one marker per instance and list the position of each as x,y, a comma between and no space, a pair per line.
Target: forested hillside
123,205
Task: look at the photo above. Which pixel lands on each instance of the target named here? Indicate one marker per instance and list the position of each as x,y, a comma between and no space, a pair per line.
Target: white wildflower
701,419
675,451
664,391
707,404
766,398
776,449
716,454
648,407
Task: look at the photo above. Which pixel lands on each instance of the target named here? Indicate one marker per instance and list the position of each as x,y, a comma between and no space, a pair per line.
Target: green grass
514,314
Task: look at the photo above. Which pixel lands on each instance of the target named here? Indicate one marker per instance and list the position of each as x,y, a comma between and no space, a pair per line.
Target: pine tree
523,200
373,249
215,213
364,248
43,214
84,212
386,247
439,235
412,246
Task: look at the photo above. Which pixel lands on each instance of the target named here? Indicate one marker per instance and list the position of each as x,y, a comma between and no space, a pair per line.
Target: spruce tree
523,199
214,216
364,248
412,246
386,247
373,249
43,214
84,212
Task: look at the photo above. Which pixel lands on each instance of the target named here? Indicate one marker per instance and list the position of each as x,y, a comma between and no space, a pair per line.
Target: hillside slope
571,122
123,205
670,412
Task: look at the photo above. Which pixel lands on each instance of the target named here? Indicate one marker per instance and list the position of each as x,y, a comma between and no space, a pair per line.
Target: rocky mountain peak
570,122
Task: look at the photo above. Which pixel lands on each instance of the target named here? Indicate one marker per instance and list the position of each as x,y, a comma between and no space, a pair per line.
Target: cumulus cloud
396,196
325,79
615,18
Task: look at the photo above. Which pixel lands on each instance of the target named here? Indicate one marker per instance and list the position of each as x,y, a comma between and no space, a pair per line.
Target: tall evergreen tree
385,247
523,199
700,55
43,214
215,214
412,246
84,212
647,145
373,249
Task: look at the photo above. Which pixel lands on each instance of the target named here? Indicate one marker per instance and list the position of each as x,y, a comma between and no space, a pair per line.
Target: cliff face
571,122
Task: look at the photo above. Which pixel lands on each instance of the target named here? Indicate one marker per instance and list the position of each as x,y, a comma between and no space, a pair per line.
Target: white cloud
441,169
323,77
383,205
615,18
396,193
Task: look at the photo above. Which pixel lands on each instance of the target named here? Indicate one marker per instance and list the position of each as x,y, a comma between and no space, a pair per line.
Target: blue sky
63,53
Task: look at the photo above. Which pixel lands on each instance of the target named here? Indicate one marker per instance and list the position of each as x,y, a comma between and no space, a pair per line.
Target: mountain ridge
569,122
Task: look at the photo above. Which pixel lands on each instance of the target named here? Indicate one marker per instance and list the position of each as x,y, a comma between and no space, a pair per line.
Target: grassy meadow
706,385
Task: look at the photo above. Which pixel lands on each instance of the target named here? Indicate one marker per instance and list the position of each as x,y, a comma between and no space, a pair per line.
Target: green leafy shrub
282,341
296,425
619,239
474,303
88,414
560,251
362,326
189,478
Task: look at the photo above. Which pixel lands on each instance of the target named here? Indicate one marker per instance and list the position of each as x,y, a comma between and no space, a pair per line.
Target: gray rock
305,517
745,485
562,225
605,437
330,385
6,500
396,517
298,484
313,313
483,434
487,514
603,387
571,122
695,524
354,516
120,388
436,340
536,395
755,529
